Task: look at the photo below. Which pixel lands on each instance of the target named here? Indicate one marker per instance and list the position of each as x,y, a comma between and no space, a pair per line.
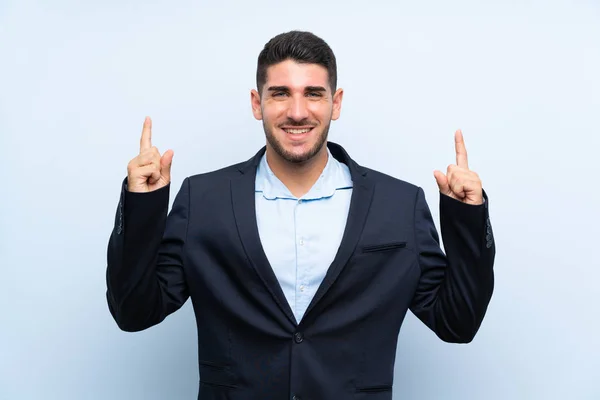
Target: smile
296,130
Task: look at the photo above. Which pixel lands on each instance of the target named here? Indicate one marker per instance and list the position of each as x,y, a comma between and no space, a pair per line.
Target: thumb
442,181
165,164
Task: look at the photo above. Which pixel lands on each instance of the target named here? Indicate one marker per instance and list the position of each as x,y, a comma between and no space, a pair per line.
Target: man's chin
298,158
300,154
296,151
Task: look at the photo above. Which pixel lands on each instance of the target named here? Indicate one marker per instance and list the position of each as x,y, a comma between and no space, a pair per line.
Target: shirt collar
334,176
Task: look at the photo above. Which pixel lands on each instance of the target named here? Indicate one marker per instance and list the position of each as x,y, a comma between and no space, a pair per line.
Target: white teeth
297,130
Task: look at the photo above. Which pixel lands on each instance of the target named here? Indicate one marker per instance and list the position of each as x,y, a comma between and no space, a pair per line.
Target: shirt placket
302,258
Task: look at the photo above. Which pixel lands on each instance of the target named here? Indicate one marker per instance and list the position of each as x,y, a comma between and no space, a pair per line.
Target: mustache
304,122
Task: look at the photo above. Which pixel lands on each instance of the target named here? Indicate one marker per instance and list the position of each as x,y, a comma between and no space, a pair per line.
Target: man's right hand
149,171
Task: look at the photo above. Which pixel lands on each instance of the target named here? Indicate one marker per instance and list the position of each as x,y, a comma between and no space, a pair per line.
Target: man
300,263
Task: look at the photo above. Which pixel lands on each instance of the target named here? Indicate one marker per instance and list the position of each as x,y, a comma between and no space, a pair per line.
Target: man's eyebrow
287,89
278,88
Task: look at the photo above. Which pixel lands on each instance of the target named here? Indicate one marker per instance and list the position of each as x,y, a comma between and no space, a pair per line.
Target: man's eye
314,94
279,94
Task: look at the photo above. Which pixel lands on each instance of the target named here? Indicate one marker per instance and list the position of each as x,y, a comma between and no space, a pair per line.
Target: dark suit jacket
249,345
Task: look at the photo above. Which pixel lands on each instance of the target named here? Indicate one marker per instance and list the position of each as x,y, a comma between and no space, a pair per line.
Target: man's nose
298,109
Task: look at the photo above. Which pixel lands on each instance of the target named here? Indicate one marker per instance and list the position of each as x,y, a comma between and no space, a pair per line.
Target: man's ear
255,102
337,104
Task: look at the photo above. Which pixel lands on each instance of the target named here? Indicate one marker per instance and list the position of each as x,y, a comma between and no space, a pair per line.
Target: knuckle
131,165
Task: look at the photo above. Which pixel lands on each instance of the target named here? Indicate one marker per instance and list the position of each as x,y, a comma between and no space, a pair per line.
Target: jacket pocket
383,247
214,374
374,389
379,392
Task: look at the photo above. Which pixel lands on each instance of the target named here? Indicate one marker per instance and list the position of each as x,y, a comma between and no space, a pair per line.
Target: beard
291,157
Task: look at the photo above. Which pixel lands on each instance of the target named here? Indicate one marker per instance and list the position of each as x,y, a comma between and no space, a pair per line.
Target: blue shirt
301,236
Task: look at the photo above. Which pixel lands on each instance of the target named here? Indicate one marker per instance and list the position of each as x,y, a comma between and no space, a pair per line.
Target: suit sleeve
144,276
455,288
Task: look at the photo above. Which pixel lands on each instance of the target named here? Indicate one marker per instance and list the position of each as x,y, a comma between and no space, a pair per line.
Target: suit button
295,398
298,338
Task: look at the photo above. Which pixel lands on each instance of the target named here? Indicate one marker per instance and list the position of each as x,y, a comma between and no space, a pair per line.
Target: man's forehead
296,75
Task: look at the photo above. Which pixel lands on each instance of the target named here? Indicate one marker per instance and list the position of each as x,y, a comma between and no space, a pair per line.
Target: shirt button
301,241
302,288
298,337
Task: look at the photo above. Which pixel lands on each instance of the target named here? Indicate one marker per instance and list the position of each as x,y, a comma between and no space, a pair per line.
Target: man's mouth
297,131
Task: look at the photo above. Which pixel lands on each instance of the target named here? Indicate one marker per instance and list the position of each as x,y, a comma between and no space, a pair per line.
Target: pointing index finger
461,151
146,140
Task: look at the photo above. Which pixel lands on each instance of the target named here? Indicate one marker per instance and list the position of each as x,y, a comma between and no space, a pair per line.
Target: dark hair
302,47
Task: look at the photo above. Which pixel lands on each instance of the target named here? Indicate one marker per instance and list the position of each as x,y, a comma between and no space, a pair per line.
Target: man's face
296,107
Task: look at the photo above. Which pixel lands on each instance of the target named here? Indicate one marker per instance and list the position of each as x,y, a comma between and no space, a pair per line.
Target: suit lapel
243,198
360,203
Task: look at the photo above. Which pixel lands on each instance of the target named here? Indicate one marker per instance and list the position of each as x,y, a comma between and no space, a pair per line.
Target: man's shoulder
379,178
388,181
220,174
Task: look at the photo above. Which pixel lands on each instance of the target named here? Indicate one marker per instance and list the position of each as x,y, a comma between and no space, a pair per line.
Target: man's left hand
460,182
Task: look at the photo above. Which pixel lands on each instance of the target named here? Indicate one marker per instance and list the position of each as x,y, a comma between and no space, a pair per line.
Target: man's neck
299,178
